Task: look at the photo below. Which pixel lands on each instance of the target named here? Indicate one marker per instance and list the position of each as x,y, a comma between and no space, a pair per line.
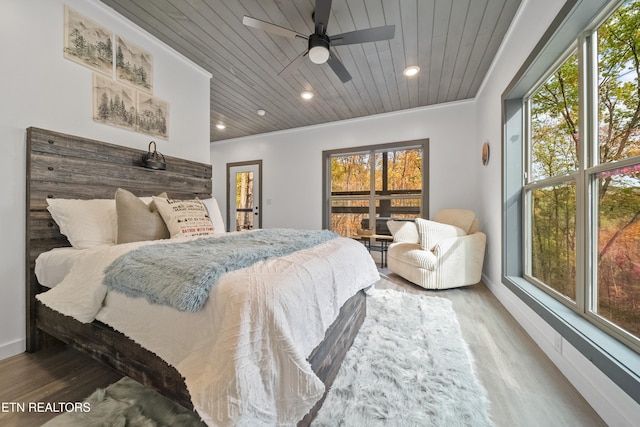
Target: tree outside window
375,182
605,161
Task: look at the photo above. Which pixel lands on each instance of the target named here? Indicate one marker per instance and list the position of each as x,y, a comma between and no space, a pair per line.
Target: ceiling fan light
318,48
318,54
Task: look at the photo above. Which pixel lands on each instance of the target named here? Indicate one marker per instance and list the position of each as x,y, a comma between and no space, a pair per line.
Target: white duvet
244,354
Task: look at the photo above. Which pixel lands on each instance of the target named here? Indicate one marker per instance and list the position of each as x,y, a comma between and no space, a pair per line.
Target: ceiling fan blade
272,28
293,64
321,15
363,36
338,67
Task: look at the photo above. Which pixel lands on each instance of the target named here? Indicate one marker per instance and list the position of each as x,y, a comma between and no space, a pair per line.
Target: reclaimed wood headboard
66,166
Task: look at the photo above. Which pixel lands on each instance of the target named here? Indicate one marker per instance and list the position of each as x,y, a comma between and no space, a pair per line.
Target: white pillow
461,218
432,232
403,231
215,214
86,223
185,218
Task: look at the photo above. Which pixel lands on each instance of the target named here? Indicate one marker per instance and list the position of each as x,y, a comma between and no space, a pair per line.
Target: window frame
584,330
422,144
585,180
530,185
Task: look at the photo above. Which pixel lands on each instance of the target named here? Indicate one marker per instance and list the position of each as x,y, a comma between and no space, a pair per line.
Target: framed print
134,65
114,103
87,42
153,116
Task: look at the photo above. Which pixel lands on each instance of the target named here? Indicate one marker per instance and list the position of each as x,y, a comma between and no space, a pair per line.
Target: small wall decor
134,65
153,116
154,159
485,153
114,103
87,42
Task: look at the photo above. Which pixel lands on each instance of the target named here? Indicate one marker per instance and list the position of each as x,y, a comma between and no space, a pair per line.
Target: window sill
617,361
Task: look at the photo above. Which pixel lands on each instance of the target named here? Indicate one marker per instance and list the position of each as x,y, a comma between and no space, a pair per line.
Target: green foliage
619,92
554,238
555,134
555,122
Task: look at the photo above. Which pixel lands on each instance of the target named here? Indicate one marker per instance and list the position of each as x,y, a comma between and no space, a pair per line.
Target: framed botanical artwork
114,103
134,65
87,42
153,116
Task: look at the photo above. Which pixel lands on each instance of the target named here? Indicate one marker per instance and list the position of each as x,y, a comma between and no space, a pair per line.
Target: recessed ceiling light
261,112
411,71
306,95
220,126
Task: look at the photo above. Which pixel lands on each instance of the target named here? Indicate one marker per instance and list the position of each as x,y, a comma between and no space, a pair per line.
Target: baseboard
11,349
613,405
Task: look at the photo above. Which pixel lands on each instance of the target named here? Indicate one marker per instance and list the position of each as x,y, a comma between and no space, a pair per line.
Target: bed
62,166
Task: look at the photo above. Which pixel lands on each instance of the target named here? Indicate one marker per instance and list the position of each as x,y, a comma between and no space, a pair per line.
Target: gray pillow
137,221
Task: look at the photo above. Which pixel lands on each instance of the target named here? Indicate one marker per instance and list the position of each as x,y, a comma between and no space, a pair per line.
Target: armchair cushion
412,257
432,232
462,218
403,231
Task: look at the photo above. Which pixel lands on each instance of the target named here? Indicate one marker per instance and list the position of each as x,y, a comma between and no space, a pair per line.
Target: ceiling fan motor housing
319,48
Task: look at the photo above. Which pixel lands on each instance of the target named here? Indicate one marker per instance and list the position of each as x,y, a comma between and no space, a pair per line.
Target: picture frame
87,43
114,103
153,116
134,65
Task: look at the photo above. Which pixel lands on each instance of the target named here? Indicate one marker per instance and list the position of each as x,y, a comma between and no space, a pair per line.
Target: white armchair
444,253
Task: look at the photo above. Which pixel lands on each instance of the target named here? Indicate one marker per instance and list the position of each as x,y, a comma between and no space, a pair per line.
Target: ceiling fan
320,43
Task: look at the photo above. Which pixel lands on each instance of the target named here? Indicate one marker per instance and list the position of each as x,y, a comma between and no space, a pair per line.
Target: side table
383,239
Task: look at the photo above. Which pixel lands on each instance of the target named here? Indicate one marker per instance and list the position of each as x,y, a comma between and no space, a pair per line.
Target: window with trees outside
381,182
581,195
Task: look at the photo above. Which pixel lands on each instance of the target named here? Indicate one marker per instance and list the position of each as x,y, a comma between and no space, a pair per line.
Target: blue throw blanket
181,275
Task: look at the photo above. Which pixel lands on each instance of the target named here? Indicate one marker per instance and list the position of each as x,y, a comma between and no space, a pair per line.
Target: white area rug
408,366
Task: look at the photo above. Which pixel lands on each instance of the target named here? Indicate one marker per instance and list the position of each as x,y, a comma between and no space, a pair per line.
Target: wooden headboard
71,167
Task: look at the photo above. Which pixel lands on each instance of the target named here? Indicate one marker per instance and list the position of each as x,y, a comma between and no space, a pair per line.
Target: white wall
533,18
38,87
292,160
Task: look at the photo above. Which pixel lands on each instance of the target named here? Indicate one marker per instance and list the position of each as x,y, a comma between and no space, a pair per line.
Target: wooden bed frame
65,166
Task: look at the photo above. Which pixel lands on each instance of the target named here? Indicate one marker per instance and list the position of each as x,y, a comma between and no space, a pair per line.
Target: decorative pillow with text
185,218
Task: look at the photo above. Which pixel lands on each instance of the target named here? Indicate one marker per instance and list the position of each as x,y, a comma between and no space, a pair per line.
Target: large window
381,182
581,194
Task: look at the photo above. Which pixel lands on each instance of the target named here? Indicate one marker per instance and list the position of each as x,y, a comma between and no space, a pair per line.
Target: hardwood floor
57,374
524,387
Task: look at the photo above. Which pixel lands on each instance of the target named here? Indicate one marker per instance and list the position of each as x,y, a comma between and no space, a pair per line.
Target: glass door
243,196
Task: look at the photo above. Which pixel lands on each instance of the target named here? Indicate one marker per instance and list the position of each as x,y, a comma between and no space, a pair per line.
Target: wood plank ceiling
452,41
